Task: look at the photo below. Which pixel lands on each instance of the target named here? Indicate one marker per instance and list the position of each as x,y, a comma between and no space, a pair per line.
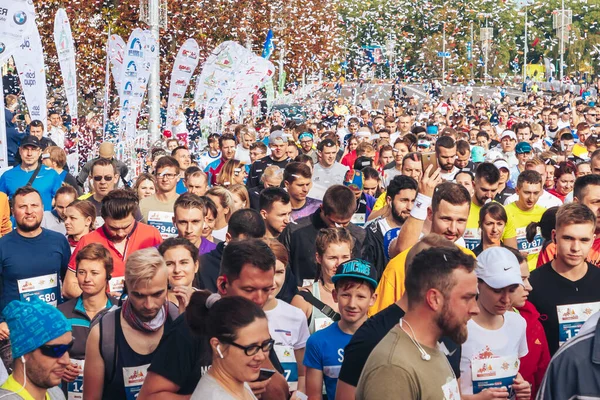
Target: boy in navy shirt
355,282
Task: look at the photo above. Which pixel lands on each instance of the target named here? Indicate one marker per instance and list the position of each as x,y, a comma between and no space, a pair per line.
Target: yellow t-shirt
391,285
380,201
13,386
516,227
472,234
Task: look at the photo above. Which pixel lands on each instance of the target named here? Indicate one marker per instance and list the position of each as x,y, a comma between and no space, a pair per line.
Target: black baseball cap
356,268
30,140
325,143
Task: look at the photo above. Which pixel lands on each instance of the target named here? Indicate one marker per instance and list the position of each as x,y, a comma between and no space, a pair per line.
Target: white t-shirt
206,158
546,200
242,154
209,388
490,355
220,233
449,176
57,135
327,177
289,328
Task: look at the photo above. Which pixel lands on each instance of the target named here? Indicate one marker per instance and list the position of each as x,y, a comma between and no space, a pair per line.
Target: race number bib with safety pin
134,379
491,373
451,391
571,318
359,219
286,356
116,284
163,221
322,323
529,248
472,237
75,388
43,287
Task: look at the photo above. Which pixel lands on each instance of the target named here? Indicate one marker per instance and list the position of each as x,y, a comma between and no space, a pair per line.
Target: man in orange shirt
587,192
121,234
5,224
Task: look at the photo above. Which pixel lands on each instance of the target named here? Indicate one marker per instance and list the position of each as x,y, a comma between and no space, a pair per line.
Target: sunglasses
56,350
107,178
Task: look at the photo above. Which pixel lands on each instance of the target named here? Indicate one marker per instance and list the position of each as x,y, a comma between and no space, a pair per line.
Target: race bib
163,221
472,237
43,287
571,318
134,379
494,373
322,323
451,391
75,388
287,358
116,284
529,248
307,282
359,219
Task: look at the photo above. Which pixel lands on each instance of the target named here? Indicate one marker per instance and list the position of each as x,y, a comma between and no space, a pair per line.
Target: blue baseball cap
523,147
356,268
432,130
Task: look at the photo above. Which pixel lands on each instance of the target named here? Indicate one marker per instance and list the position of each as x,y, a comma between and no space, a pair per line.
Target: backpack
108,348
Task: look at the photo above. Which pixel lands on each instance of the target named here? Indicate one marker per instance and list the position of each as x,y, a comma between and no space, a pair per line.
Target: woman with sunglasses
239,336
94,264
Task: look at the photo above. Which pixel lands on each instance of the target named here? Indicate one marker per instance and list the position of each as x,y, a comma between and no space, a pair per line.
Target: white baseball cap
501,163
499,268
508,133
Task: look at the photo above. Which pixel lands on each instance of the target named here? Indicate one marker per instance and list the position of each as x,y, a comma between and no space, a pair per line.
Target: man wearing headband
307,141
40,338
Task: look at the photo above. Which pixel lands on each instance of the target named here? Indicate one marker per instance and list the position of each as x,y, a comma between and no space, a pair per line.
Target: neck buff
135,322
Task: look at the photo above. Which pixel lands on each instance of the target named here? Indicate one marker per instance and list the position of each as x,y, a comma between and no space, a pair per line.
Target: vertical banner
270,91
116,53
63,39
106,101
29,59
17,20
183,68
268,46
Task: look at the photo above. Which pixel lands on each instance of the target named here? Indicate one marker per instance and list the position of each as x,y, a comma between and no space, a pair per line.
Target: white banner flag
29,59
140,54
183,68
116,53
17,20
63,39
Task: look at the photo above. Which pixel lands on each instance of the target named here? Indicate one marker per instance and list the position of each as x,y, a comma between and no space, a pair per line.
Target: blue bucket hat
33,324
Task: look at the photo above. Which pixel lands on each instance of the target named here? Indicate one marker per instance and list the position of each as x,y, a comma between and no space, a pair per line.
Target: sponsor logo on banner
3,12
2,47
20,17
185,68
135,50
181,82
128,88
189,54
29,78
131,69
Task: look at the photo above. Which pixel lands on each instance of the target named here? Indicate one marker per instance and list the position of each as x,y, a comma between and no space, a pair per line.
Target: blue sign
443,54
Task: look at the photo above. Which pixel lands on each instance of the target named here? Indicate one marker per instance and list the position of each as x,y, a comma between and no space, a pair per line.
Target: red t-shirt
142,236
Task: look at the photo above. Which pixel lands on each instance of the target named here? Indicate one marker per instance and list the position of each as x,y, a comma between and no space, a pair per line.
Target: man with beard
30,254
496,338
441,291
120,348
445,151
121,234
400,197
486,186
42,358
446,211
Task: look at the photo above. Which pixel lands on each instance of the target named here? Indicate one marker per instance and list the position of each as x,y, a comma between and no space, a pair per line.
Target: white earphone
219,351
424,355
23,359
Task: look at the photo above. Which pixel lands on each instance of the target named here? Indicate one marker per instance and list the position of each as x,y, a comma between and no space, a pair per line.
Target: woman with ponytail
240,341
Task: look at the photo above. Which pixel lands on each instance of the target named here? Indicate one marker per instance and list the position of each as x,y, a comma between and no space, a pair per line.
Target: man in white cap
508,142
496,339
504,189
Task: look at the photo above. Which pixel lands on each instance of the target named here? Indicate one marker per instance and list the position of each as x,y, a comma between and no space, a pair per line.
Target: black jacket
258,168
372,248
210,266
299,238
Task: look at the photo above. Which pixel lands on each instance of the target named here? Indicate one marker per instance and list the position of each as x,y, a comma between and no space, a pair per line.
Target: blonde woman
223,199
233,173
